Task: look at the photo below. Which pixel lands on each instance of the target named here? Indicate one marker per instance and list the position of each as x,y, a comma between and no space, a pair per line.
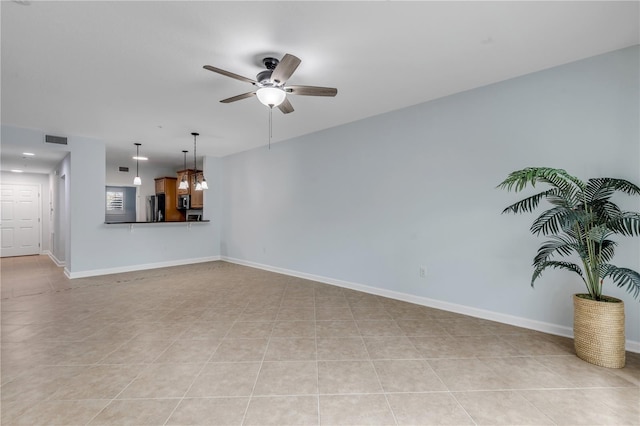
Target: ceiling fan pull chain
270,125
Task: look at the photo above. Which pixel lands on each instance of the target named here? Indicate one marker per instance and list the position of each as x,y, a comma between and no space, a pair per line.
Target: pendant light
136,180
199,184
184,182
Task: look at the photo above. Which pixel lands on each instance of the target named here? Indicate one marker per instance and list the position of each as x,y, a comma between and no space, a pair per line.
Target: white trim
53,258
39,190
40,218
542,326
632,346
132,268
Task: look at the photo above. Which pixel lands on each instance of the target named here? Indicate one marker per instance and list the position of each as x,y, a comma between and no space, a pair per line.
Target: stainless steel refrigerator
155,208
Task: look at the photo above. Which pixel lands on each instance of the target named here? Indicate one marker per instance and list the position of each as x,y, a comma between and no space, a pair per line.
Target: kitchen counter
147,223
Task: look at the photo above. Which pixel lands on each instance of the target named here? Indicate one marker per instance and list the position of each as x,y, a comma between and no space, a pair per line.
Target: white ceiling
126,72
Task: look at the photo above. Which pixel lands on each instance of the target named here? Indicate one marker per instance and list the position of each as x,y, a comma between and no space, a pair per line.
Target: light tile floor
217,343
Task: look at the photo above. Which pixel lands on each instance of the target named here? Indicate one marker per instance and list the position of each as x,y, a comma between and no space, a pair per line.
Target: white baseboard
632,346
545,327
132,268
54,259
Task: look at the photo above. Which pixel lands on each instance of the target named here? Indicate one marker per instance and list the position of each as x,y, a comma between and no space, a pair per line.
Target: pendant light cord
199,184
195,167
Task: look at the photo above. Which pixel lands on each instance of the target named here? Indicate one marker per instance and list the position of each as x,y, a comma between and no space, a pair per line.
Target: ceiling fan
271,83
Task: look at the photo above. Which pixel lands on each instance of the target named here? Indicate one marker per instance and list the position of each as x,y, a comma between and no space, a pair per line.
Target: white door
19,219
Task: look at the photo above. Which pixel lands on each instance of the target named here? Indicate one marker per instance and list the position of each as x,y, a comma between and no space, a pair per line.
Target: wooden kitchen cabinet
167,186
160,183
195,196
181,173
197,201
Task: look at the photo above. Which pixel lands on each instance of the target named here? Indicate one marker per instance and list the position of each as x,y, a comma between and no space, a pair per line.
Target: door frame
39,208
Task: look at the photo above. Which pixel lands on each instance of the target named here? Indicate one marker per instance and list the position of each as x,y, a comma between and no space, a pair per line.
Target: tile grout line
395,419
204,365
315,336
116,396
536,407
370,360
462,407
264,355
147,366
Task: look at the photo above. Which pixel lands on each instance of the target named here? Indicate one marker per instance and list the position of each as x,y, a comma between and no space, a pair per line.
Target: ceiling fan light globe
271,96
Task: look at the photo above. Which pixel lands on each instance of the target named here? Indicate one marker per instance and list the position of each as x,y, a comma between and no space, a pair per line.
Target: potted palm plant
579,223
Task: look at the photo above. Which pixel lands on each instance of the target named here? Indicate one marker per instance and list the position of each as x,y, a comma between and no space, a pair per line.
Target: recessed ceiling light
16,171
28,154
140,158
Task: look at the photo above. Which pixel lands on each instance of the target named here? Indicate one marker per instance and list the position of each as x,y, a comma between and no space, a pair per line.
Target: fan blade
229,74
285,68
238,97
286,106
311,90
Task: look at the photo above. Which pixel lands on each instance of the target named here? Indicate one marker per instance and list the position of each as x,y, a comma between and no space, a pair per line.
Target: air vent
123,169
55,139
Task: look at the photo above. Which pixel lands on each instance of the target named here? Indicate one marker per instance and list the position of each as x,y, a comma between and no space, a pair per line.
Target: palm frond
605,210
610,184
557,245
560,200
528,204
622,277
605,250
627,224
552,221
569,189
598,189
554,264
558,178
598,233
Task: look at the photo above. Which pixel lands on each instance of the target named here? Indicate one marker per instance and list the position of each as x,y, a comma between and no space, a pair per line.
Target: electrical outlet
423,271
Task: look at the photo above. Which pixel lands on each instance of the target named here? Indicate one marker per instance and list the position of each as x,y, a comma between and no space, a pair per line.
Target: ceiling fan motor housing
270,63
264,76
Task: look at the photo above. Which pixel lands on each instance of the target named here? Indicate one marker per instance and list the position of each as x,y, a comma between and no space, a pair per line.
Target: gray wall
59,179
370,202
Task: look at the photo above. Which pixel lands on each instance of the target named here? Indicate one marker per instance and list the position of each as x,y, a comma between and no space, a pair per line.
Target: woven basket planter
598,331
